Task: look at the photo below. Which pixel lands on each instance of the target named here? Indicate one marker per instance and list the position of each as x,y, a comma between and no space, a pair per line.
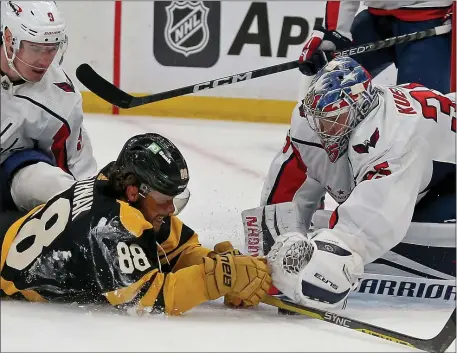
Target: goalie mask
159,167
340,96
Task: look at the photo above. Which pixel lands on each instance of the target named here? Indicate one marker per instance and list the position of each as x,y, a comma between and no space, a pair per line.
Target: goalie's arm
289,179
377,214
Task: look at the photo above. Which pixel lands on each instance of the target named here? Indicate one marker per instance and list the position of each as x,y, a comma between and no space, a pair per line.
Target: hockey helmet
156,162
39,22
339,97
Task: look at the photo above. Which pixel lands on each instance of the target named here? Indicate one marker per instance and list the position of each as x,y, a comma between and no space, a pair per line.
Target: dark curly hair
120,178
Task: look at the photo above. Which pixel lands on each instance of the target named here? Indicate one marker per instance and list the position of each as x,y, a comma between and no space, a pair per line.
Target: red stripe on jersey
332,12
453,54
412,15
291,176
59,148
333,219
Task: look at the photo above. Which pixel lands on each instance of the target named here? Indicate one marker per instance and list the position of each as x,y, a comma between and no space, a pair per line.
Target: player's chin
35,75
157,222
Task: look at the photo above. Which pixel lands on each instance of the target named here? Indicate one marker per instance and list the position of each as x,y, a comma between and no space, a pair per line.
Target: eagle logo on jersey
66,86
365,146
16,8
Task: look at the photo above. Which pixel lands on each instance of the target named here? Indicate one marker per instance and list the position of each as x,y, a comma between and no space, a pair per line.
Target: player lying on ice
386,154
113,238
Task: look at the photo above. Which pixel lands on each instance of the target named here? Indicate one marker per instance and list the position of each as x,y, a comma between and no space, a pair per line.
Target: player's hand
224,247
317,50
447,20
244,277
232,300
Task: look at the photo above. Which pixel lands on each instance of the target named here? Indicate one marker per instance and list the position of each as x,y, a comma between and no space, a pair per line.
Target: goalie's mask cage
156,162
33,22
340,96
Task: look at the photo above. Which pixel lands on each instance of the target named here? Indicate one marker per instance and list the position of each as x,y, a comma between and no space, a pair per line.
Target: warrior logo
187,31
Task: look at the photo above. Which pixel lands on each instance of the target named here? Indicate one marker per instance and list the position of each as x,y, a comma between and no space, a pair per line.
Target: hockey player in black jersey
113,238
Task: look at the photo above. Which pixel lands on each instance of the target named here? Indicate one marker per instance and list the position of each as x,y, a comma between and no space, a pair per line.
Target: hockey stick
439,343
110,93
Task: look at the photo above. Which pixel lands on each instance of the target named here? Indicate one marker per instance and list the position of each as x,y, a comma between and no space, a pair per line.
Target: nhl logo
187,31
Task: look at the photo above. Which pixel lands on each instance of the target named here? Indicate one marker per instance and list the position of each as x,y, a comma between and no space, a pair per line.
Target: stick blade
444,339
101,87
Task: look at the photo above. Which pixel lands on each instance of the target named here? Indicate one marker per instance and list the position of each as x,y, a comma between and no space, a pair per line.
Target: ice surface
227,162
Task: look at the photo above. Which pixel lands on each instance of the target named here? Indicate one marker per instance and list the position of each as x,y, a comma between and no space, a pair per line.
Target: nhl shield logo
186,30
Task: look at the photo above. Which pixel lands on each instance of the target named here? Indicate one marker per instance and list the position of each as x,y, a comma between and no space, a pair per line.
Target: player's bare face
33,59
155,206
334,126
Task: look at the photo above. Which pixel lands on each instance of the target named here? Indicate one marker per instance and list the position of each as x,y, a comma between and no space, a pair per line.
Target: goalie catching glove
319,271
243,277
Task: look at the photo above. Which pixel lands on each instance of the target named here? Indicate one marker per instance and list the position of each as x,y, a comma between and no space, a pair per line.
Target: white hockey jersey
393,158
46,115
339,15
302,172
396,155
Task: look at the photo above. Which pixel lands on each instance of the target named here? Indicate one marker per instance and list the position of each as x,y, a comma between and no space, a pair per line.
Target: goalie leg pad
262,225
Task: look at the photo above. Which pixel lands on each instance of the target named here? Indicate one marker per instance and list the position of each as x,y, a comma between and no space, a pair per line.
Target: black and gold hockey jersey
86,246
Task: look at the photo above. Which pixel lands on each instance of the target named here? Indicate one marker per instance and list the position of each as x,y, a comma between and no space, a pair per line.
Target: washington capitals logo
66,86
365,146
16,8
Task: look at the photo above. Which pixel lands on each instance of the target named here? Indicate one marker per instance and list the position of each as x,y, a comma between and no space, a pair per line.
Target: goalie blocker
422,266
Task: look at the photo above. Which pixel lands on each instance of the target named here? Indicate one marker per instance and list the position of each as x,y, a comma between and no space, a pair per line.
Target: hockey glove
232,300
447,20
324,41
244,276
317,271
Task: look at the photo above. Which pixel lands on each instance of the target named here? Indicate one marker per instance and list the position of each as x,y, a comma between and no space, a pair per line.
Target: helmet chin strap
10,61
33,67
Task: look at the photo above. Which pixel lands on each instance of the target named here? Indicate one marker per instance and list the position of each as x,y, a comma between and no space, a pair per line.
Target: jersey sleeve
161,272
379,210
80,159
173,292
339,16
179,245
289,179
11,138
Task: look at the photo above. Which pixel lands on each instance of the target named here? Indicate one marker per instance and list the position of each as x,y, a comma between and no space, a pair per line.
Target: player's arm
180,246
216,277
370,222
80,157
339,16
289,179
335,33
378,212
142,287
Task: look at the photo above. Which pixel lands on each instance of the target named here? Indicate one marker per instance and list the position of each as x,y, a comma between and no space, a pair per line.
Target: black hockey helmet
156,162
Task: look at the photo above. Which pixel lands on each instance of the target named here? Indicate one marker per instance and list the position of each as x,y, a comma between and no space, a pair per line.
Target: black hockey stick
110,93
439,343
